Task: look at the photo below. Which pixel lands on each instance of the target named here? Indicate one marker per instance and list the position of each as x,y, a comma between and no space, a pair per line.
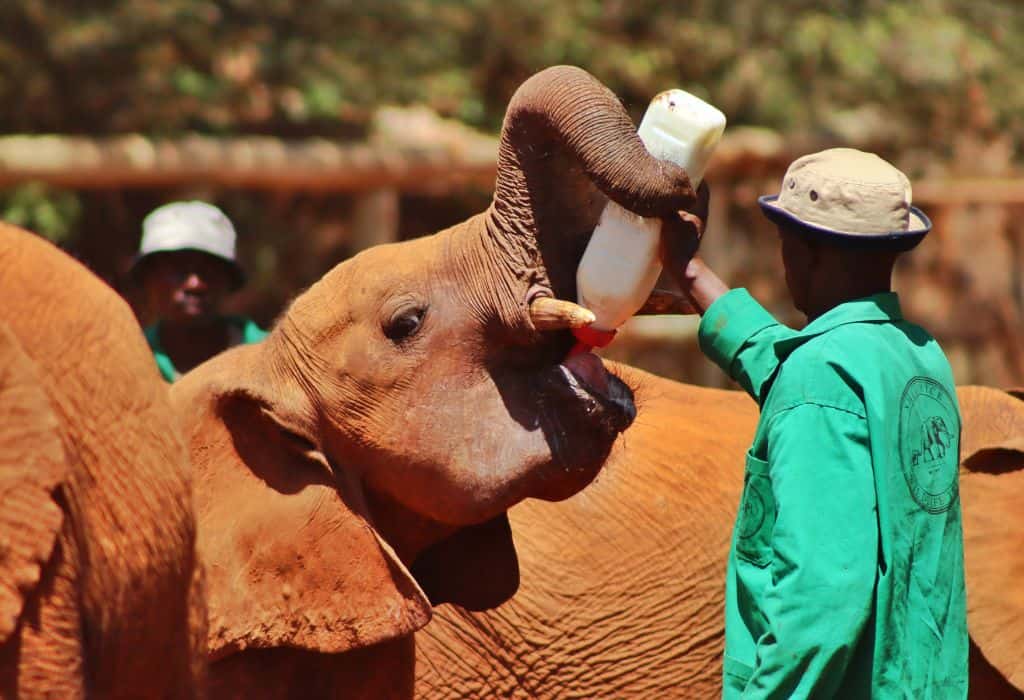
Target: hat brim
237,274
918,228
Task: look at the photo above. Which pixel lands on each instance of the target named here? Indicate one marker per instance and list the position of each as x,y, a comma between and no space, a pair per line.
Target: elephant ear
32,467
992,494
993,429
292,559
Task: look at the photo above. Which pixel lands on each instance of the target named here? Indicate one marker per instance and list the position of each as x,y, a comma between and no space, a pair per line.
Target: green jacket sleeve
739,335
824,551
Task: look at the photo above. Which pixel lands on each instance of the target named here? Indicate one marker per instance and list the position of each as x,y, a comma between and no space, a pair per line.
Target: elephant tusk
663,301
549,314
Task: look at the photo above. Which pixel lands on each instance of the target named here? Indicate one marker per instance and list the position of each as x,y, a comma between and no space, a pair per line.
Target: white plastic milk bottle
620,266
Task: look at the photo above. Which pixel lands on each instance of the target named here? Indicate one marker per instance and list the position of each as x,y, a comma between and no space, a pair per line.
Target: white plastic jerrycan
620,266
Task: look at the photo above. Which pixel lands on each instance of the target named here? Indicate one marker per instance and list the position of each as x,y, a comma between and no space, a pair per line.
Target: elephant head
357,466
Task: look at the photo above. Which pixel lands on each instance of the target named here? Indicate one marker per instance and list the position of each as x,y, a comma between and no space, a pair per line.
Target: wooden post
375,218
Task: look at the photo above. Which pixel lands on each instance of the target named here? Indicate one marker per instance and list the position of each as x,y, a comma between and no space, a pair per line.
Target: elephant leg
44,655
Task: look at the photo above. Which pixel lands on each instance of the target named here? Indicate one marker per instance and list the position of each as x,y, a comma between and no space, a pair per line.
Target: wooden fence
964,283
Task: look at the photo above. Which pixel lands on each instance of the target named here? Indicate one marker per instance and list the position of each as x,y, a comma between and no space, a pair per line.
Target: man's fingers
680,238
681,234
694,220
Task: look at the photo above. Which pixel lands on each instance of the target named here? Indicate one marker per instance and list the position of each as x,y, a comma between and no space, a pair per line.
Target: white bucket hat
191,225
848,197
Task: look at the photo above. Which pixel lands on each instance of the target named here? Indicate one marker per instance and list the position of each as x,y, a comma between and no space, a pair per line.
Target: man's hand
700,284
680,235
680,239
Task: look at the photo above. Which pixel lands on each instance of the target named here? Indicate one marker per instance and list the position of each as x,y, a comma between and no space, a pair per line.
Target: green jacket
243,331
845,575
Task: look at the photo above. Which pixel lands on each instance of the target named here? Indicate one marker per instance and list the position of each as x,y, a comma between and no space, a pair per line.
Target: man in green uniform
186,267
845,575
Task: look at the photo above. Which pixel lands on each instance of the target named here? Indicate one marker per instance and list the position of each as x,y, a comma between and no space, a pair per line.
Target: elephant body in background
100,593
622,587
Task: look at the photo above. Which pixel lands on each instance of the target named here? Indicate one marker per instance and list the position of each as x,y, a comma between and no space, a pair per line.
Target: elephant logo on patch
930,444
935,441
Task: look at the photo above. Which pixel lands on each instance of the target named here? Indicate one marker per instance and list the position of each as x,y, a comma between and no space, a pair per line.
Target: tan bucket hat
848,197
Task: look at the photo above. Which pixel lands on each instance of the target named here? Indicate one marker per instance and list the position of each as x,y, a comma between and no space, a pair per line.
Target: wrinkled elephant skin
622,585
356,467
100,594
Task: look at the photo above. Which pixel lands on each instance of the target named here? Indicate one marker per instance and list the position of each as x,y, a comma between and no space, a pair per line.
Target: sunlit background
324,127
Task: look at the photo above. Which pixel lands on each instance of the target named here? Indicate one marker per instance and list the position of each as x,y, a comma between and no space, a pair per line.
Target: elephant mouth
583,408
603,396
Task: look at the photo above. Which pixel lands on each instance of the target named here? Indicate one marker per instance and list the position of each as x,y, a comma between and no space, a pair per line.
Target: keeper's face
186,286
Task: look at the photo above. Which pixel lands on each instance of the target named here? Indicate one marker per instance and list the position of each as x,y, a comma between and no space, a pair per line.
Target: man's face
186,286
797,260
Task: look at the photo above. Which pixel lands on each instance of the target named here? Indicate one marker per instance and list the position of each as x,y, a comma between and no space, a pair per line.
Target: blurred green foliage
898,76
906,71
50,212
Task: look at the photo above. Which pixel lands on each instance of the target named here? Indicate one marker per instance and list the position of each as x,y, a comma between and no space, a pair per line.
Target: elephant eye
404,324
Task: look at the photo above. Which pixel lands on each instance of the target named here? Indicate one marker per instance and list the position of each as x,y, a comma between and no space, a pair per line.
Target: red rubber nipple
589,338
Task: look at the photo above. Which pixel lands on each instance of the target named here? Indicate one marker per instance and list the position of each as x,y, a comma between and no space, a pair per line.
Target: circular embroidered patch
929,444
753,508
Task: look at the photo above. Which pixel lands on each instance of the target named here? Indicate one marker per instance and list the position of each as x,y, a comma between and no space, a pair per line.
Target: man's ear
815,251
292,558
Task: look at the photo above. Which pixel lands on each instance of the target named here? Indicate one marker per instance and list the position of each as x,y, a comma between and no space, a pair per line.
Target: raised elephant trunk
566,146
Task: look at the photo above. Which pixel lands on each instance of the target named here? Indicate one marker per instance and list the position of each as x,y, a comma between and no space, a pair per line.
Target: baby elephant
355,468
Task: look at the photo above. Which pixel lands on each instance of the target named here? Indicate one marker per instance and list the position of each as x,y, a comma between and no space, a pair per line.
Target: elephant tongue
588,367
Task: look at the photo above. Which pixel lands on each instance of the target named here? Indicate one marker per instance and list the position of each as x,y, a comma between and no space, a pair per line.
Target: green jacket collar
877,308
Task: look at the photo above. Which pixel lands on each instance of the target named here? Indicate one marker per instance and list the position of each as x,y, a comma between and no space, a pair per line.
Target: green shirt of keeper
243,331
845,575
